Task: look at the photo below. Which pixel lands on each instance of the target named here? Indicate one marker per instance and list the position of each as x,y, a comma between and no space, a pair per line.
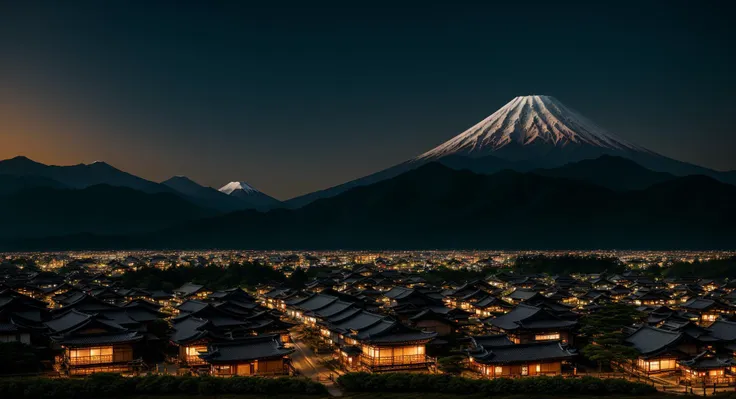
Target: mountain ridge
437,207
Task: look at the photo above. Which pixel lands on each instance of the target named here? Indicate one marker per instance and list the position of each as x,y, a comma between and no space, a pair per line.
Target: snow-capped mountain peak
237,185
526,120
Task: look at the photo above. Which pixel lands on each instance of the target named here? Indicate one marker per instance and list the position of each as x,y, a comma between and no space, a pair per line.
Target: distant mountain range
20,172
434,206
534,174
528,133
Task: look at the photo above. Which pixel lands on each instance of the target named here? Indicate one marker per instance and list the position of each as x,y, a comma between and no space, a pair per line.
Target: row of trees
564,264
216,277
447,384
603,329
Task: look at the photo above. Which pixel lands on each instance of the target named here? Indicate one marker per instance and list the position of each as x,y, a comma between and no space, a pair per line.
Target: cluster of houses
373,319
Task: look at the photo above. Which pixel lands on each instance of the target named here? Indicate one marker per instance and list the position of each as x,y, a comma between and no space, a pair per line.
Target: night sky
304,96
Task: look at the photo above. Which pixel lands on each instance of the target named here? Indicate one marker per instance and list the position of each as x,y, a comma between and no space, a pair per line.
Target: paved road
308,364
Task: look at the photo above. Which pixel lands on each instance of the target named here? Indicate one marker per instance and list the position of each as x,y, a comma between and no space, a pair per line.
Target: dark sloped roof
191,306
261,347
530,317
724,330
359,321
100,339
522,294
524,353
406,336
188,289
649,340
316,301
67,321
698,304
708,360
491,340
188,329
333,308
398,292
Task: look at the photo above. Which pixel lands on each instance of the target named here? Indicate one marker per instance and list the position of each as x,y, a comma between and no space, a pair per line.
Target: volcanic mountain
204,196
529,132
246,193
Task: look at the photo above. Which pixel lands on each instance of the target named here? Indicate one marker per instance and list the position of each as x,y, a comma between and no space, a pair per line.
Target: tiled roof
649,339
261,347
523,353
99,339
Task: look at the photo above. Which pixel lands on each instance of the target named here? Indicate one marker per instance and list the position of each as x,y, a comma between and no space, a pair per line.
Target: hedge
114,385
444,383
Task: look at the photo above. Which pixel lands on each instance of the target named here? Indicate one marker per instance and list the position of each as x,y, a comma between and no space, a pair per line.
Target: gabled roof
188,289
522,294
66,321
650,340
100,339
489,341
313,302
528,317
261,347
707,361
398,292
523,353
723,330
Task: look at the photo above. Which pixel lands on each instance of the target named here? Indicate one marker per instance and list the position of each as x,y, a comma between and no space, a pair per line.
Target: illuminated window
547,337
498,370
538,368
194,350
525,370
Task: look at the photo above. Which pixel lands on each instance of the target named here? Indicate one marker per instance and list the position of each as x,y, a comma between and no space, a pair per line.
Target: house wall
393,355
442,329
519,370
19,337
256,367
102,354
541,336
189,353
657,365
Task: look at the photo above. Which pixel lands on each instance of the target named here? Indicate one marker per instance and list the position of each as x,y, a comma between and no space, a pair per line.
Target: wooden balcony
193,360
391,363
86,360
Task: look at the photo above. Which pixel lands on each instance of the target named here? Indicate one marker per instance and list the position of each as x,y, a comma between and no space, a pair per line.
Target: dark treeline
214,277
714,268
531,264
107,385
445,274
447,384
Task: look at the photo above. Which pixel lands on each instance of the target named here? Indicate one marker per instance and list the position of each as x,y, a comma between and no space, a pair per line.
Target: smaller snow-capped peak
237,185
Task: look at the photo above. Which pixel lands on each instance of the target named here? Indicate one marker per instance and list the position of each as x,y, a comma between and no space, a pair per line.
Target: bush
114,385
444,383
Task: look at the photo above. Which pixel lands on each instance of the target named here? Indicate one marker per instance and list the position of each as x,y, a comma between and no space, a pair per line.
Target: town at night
367,200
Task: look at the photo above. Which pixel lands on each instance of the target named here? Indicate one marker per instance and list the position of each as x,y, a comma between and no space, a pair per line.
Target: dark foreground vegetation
444,383
106,385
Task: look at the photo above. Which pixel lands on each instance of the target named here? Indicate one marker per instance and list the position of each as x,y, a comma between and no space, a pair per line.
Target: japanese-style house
497,356
431,321
659,349
707,310
373,342
490,306
200,324
262,355
525,324
190,291
708,369
90,343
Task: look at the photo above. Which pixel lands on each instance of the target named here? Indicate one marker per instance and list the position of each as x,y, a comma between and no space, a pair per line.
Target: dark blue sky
300,97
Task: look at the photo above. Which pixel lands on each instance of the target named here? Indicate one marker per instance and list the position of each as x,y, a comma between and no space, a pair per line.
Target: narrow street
309,365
